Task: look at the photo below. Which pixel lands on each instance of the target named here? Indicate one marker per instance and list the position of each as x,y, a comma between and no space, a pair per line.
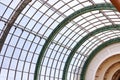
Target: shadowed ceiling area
52,39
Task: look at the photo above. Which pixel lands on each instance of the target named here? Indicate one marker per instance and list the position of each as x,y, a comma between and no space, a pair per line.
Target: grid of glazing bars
33,26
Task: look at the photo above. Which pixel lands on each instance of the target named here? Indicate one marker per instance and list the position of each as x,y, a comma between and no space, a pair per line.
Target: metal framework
12,20
61,25
85,38
53,39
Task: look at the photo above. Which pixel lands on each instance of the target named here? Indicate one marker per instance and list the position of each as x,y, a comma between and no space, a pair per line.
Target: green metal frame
95,51
93,33
61,26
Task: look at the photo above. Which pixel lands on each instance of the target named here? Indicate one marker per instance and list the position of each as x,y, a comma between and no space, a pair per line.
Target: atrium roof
51,39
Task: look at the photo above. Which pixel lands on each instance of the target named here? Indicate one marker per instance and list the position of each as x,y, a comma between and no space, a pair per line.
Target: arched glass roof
51,39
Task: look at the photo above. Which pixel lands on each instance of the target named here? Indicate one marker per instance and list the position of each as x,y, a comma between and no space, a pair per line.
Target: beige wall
100,58
112,69
107,68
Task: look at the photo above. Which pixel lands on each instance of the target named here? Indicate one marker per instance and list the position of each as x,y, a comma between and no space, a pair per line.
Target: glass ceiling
41,40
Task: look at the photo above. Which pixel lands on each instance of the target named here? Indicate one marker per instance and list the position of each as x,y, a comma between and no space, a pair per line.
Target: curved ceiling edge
102,29
91,56
11,22
108,67
65,22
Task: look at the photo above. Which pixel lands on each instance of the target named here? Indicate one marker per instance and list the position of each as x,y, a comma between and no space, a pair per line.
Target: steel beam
12,20
62,25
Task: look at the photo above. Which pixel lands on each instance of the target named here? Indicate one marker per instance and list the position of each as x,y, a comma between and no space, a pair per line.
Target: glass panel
29,34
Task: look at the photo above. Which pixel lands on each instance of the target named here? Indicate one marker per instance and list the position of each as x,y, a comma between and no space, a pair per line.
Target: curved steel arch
11,22
64,23
91,56
102,29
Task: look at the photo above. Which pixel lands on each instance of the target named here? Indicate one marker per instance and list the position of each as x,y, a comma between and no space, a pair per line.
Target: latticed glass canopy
52,39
